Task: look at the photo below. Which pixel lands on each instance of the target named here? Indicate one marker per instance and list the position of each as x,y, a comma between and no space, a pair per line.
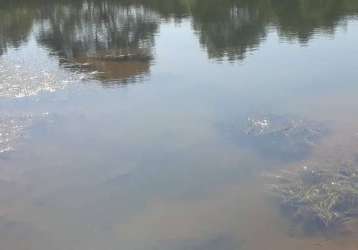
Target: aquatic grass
318,198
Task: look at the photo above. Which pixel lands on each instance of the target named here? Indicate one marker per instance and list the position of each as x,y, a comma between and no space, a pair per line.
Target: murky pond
153,124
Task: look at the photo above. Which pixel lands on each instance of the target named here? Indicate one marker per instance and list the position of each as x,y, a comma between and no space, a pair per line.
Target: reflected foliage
105,33
229,29
111,40
301,19
16,21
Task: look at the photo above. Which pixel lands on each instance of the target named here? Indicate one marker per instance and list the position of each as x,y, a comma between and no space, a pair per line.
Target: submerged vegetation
280,137
322,198
319,199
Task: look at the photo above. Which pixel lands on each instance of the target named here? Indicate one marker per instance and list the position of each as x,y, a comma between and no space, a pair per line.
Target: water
119,120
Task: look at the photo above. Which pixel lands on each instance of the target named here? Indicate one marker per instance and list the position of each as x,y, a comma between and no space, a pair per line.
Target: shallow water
119,119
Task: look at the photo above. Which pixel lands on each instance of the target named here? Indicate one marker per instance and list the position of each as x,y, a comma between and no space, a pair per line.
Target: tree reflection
228,29
115,38
301,19
112,40
16,21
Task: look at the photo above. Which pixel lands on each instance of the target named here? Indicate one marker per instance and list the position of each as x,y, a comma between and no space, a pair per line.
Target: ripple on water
11,130
15,128
19,80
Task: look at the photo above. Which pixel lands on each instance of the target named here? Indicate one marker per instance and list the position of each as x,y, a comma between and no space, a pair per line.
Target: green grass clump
319,198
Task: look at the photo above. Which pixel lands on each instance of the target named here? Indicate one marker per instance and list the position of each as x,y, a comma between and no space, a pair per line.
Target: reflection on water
16,24
23,78
233,28
168,164
112,40
86,32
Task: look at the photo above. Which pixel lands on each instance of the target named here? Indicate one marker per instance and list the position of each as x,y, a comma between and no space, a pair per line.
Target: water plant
318,198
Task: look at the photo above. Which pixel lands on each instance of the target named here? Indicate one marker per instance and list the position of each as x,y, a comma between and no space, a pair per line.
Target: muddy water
119,120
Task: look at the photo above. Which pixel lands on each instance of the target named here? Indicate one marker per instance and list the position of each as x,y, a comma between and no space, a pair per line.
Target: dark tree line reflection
111,39
229,29
16,22
115,38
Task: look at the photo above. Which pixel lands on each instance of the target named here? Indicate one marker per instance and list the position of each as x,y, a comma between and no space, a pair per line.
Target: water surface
119,119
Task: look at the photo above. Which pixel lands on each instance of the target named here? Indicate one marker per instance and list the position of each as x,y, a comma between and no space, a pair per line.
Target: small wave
14,128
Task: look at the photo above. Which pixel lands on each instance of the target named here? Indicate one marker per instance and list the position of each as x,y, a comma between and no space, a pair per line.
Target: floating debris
321,199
